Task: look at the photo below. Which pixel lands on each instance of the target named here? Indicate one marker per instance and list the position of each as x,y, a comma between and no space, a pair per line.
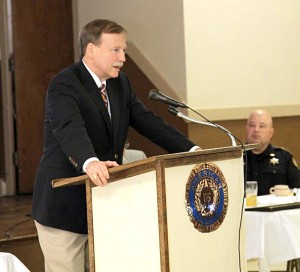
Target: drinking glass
251,193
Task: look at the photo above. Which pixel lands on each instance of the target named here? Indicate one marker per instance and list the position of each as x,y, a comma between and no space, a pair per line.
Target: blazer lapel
94,93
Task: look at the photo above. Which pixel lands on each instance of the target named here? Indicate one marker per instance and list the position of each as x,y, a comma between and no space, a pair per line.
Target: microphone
156,95
207,123
173,104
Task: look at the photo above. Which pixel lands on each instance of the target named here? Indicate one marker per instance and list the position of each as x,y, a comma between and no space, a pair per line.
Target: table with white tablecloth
273,237
10,263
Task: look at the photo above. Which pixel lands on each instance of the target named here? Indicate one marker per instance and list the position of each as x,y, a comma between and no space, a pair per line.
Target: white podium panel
215,251
125,223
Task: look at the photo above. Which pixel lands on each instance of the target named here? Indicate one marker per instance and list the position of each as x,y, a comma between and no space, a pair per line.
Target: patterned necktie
104,95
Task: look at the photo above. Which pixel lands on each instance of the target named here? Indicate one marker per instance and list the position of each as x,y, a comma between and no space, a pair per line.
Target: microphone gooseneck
207,123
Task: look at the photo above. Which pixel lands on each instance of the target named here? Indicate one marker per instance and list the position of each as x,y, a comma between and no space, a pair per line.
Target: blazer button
116,156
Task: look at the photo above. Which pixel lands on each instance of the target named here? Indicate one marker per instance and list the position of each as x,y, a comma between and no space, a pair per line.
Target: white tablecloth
10,263
273,236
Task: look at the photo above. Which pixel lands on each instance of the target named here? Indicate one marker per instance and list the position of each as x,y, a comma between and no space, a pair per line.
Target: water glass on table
251,193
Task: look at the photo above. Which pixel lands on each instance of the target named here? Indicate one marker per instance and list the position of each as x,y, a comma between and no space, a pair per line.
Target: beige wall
241,55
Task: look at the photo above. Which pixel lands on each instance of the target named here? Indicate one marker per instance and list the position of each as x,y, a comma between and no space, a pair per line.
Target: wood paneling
1,130
42,45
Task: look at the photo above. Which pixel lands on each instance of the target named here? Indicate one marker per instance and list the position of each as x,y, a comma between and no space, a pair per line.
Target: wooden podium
139,222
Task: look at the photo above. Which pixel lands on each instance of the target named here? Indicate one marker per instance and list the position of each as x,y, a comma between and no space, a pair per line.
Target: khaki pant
64,251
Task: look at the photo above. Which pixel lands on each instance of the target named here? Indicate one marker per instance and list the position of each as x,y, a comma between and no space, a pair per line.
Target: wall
205,136
222,58
142,83
241,55
1,132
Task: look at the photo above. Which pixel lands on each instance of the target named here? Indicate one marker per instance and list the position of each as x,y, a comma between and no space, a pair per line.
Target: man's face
107,57
259,129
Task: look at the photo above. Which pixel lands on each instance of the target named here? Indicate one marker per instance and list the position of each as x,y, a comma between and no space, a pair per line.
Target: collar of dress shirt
94,76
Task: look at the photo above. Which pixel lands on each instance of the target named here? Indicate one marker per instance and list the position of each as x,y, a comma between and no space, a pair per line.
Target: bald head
259,129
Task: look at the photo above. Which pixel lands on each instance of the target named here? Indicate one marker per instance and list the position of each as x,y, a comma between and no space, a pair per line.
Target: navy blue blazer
77,127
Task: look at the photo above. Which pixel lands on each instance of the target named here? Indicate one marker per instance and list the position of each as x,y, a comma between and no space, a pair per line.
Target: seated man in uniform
269,165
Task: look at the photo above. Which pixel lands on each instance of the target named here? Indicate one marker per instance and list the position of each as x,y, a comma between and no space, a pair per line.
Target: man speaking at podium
89,108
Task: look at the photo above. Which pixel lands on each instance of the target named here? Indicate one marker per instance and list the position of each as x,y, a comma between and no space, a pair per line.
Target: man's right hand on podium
98,171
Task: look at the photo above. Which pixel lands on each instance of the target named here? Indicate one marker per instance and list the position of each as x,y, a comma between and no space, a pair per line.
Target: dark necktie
104,94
